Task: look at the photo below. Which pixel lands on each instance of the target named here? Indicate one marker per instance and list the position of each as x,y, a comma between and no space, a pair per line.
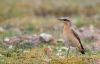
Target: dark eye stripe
66,20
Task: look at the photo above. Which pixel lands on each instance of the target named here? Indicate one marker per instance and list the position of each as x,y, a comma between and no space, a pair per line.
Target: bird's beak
64,19
60,19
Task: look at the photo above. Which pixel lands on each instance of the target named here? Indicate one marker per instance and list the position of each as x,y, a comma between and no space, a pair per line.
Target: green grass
16,8
28,17
25,53
38,56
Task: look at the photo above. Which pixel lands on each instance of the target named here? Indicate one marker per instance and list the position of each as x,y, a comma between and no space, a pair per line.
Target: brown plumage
71,36
82,48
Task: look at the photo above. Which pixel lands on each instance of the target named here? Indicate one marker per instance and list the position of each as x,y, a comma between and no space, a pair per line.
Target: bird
71,38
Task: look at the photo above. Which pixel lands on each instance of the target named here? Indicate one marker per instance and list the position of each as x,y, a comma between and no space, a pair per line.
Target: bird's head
65,20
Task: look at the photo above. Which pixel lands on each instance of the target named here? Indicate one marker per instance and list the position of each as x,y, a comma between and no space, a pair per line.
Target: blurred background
41,15
33,17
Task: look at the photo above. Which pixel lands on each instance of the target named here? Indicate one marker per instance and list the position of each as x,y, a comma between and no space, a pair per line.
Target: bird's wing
76,35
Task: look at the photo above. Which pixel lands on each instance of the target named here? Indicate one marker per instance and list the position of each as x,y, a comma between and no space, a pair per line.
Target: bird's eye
65,20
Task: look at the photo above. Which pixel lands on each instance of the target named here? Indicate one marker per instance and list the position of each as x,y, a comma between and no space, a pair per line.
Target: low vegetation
32,17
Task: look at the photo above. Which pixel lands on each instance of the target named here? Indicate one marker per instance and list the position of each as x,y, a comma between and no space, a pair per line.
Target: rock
2,30
6,39
86,34
89,33
47,38
12,40
96,46
34,39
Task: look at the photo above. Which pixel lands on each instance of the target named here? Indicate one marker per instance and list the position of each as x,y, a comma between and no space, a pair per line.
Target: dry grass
19,17
38,56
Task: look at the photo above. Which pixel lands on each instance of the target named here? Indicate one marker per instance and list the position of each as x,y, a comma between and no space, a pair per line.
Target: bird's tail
82,50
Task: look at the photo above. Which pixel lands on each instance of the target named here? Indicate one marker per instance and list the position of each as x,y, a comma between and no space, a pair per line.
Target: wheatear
70,36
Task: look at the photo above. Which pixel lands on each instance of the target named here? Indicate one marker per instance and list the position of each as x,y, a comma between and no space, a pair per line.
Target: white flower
10,47
64,48
1,55
47,59
6,39
58,54
62,57
1,29
59,50
26,51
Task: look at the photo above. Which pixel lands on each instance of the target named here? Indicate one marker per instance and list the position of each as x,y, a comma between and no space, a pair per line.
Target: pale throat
67,26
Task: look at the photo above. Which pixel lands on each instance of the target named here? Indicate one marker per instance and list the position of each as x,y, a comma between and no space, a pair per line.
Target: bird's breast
70,39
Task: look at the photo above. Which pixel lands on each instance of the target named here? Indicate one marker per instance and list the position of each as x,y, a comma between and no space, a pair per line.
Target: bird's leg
76,52
68,51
